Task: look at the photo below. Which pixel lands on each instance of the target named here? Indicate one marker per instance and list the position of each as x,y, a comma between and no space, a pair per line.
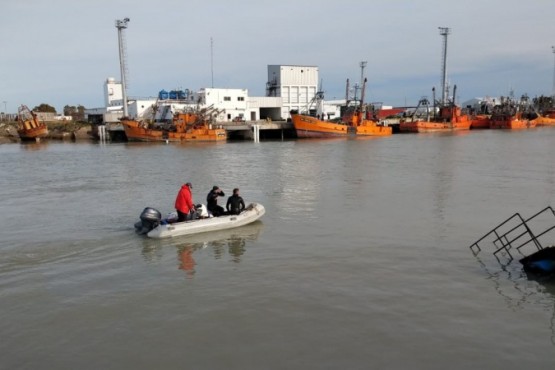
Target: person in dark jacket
212,201
235,203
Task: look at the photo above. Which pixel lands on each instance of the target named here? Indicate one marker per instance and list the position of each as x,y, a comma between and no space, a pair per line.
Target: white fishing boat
153,226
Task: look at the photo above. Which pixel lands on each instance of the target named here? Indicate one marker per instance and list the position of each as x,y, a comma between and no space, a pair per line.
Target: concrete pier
235,130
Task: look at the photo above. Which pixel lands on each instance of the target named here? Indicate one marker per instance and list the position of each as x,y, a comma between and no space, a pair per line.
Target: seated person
212,201
235,203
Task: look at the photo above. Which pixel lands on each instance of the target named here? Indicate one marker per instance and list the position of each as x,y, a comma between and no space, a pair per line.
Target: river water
362,260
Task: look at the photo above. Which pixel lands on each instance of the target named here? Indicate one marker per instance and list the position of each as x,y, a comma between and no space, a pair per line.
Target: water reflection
34,145
231,242
520,290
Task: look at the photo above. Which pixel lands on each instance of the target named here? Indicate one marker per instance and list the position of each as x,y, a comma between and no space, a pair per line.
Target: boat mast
362,98
347,94
444,31
434,101
362,81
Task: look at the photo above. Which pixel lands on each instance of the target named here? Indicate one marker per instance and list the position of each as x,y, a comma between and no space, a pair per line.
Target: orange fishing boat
364,126
184,127
311,127
450,118
544,121
29,127
352,123
510,121
481,121
511,115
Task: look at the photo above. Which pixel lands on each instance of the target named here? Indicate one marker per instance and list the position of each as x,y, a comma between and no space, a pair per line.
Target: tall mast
553,92
362,95
347,94
121,25
362,81
212,59
444,31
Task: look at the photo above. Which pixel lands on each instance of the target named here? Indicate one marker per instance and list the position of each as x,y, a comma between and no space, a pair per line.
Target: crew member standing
184,203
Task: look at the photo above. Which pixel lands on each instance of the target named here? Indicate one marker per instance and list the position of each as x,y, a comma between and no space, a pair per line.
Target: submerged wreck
524,237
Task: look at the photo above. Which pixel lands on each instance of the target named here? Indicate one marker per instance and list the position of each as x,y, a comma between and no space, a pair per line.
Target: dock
246,130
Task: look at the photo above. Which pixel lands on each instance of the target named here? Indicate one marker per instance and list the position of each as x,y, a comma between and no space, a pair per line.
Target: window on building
227,98
240,98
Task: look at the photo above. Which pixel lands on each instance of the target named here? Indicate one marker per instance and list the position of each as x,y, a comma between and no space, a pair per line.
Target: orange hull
138,131
480,122
511,123
369,128
30,130
427,126
544,121
311,127
449,119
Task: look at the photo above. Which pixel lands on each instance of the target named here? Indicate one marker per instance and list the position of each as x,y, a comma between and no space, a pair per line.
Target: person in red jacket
184,203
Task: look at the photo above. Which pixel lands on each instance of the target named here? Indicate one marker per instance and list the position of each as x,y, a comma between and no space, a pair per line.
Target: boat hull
373,130
311,127
138,131
427,126
32,132
449,118
544,121
251,214
480,122
511,123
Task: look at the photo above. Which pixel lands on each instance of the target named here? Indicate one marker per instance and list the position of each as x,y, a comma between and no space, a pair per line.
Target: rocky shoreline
67,131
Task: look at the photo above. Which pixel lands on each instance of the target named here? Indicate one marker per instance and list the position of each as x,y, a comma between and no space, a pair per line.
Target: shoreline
66,131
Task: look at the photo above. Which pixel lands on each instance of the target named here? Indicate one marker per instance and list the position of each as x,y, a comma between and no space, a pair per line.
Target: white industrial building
289,87
296,85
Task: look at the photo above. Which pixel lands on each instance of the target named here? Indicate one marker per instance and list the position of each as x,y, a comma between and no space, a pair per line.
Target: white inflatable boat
153,226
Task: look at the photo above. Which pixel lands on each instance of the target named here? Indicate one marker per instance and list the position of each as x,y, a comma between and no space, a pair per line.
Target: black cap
215,187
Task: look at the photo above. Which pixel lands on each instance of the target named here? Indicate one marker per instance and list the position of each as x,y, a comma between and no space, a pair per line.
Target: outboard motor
150,218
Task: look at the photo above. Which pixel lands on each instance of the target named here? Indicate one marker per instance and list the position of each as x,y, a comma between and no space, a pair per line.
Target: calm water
361,261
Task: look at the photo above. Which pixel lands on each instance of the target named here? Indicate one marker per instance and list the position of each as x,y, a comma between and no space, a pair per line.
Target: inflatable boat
152,225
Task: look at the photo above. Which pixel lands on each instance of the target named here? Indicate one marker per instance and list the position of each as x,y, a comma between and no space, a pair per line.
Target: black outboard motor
150,218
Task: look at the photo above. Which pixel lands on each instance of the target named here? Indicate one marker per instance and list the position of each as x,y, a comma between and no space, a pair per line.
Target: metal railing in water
516,232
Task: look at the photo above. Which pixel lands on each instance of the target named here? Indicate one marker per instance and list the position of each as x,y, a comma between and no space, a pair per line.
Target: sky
60,52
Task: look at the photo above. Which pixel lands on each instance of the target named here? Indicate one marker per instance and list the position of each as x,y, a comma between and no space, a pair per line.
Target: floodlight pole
444,31
121,25
553,92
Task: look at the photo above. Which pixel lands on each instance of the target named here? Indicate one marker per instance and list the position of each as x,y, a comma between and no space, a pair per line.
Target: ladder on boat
516,232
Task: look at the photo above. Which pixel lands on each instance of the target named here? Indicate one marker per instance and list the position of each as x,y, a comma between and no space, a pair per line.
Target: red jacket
184,200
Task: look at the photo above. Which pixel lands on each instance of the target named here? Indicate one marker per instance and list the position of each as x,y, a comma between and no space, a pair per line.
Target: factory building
289,87
295,84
